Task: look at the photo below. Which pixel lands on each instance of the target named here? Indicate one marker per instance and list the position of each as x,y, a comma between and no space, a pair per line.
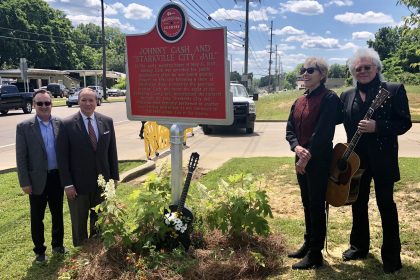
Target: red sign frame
177,73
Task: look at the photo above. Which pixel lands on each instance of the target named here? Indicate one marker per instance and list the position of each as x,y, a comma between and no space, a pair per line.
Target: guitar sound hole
342,165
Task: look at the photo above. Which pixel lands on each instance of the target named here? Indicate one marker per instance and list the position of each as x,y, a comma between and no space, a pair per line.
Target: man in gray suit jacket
38,172
87,148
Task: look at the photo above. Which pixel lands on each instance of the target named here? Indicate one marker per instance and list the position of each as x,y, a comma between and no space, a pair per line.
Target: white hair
365,53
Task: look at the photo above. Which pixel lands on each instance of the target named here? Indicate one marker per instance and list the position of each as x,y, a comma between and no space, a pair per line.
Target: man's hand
367,126
302,153
301,165
27,189
71,192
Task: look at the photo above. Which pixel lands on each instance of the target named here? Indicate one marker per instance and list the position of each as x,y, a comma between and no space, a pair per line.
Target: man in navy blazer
87,148
38,172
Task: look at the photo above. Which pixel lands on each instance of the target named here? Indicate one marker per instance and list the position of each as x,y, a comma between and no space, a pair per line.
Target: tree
235,76
31,29
398,50
386,41
337,71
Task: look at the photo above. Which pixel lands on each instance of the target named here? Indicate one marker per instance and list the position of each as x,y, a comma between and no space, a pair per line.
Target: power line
47,35
40,41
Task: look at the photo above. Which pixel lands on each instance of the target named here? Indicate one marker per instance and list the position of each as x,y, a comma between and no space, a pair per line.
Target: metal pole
177,145
103,53
246,41
270,61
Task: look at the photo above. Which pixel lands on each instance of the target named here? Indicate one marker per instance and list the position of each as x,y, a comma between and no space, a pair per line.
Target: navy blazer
78,162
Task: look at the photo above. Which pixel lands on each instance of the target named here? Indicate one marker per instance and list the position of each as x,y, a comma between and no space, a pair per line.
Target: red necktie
92,134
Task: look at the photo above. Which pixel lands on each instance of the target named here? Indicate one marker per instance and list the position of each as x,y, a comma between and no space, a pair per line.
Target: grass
288,220
280,182
277,106
16,253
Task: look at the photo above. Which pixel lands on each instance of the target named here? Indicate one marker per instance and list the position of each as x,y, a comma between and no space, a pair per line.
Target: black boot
303,250
313,259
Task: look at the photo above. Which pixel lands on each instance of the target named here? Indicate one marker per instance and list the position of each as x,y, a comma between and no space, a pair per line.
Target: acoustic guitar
182,212
345,175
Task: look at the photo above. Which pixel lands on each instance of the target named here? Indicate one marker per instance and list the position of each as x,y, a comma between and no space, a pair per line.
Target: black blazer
79,164
392,119
330,114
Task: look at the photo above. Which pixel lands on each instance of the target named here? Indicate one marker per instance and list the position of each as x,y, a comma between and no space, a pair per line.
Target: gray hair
321,65
365,53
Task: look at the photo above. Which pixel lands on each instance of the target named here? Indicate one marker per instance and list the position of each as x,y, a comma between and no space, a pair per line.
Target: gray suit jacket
31,156
78,162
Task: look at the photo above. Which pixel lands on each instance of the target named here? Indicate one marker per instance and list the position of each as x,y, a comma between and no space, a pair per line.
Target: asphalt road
214,149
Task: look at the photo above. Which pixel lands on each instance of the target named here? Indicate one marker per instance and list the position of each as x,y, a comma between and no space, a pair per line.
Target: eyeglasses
367,68
309,70
40,103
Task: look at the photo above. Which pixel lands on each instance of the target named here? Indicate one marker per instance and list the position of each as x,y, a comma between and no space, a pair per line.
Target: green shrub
237,206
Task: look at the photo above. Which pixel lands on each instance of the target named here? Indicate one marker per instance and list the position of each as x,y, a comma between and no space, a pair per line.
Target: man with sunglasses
378,152
38,173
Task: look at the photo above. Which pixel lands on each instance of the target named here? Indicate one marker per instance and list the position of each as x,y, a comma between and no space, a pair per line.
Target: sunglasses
309,70
367,68
40,103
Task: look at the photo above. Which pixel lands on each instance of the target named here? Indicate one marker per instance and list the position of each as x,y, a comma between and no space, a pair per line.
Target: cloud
338,59
310,42
362,35
350,46
260,27
254,15
340,3
366,18
112,22
303,7
136,11
288,30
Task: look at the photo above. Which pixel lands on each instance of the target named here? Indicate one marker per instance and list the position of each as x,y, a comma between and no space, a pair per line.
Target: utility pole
245,73
103,52
270,61
276,77
246,40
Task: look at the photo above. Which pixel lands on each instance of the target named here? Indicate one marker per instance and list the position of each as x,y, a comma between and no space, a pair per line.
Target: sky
332,29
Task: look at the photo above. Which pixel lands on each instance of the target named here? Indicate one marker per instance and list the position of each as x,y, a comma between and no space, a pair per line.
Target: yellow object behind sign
156,138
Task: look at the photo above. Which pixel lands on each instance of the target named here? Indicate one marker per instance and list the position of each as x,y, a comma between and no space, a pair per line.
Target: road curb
138,171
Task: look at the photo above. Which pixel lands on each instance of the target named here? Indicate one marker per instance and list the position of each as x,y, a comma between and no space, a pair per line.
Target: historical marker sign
178,73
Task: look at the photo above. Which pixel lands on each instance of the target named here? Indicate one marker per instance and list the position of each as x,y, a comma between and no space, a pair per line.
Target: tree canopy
46,38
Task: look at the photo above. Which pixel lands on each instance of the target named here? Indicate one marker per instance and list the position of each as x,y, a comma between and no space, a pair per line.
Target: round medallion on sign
171,23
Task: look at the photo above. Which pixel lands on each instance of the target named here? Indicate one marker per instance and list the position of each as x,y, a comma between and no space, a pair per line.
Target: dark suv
57,90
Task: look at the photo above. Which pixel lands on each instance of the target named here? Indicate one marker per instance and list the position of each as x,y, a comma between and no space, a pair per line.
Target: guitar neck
183,197
356,136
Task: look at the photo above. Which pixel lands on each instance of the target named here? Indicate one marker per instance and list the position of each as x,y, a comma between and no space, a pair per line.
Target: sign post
24,73
177,75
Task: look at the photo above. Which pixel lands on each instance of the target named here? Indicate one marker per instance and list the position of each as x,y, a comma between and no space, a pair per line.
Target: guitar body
183,238
173,240
341,181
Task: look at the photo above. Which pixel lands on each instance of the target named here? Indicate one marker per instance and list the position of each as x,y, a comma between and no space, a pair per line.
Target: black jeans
360,235
53,196
313,187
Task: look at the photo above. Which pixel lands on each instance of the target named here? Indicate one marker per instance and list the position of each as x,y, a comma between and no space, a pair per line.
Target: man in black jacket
378,152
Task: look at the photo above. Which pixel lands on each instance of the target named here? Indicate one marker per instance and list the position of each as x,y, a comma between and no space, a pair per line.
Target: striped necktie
92,134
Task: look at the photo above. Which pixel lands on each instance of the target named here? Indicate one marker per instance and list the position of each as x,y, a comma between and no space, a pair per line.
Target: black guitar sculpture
173,240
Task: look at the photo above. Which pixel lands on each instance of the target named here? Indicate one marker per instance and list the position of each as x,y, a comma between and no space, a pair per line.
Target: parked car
57,90
114,92
244,111
73,99
11,98
99,93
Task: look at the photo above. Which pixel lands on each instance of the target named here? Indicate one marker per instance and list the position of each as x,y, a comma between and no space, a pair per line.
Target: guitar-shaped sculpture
345,175
181,234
